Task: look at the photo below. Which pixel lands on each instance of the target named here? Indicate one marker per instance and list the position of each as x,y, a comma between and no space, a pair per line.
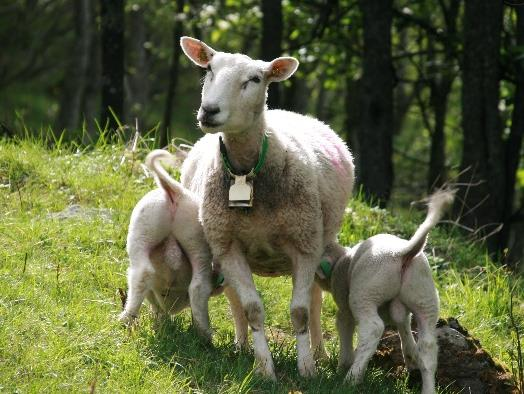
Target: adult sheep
273,185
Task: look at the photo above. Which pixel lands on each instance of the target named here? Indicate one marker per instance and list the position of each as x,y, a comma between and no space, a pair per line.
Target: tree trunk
137,65
481,205
440,86
296,96
165,132
272,30
514,142
112,38
91,100
352,115
376,120
76,73
437,157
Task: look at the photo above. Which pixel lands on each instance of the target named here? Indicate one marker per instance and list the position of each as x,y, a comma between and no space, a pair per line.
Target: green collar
326,268
219,280
261,157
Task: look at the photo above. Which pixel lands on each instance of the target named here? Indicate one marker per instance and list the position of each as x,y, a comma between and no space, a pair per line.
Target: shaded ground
463,366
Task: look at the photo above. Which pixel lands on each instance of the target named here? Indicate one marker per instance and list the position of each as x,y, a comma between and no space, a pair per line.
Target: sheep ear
197,51
281,69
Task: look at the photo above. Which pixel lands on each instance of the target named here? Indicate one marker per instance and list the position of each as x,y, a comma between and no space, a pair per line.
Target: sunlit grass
59,281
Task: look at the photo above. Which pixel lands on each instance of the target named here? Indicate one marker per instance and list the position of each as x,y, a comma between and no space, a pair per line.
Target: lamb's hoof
343,367
241,346
320,354
266,372
206,335
411,364
128,319
354,376
307,369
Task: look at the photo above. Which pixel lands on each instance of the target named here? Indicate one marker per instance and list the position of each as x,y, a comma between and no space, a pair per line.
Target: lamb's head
235,86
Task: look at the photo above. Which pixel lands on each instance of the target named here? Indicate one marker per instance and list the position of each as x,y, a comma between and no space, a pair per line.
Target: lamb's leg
370,329
303,277
427,350
241,324
315,327
138,283
345,328
199,292
402,319
238,275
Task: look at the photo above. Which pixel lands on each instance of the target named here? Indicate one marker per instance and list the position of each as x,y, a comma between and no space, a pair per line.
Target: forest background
423,91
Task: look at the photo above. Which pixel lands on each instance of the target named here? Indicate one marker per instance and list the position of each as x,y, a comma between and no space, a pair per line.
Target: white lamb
390,277
164,233
295,172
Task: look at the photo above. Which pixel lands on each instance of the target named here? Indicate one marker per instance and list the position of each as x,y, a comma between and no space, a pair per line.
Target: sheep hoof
128,319
307,369
354,376
321,354
205,334
267,373
241,345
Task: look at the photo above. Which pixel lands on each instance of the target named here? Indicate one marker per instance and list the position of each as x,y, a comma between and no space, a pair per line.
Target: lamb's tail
437,204
162,177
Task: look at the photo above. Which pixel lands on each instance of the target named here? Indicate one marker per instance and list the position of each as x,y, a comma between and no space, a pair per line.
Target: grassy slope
59,300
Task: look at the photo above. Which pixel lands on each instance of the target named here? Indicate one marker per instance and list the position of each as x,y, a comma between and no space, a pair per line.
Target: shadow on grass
220,368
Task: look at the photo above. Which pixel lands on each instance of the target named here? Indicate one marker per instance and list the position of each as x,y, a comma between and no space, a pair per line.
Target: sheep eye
255,79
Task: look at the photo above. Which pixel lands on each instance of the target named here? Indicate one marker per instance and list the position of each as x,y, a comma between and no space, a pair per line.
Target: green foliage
59,280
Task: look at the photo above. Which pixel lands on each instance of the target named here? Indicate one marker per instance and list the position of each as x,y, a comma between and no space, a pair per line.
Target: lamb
170,260
273,186
386,275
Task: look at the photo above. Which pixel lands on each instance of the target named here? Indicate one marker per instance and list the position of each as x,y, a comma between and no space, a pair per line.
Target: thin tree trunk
352,115
137,65
76,74
481,206
112,38
91,101
441,85
514,142
272,30
376,120
437,158
296,96
165,132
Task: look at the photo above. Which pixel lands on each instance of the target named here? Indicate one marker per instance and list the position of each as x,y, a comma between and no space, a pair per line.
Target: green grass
59,283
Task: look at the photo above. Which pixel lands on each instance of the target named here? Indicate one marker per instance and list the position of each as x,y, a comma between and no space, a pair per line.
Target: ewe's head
235,86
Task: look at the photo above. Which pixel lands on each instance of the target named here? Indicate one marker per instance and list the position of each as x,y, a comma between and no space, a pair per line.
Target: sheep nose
210,110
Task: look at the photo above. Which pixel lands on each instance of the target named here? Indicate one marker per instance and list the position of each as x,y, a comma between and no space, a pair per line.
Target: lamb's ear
281,69
197,51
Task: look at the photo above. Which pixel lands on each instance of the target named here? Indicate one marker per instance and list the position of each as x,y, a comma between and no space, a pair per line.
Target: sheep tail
172,188
437,203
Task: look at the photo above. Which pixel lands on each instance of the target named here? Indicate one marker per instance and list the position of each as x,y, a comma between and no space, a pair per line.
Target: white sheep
390,277
159,269
298,179
170,260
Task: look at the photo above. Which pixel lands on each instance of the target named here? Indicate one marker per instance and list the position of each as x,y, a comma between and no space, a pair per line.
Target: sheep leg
315,328
345,328
427,350
138,283
238,275
402,319
241,323
370,329
303,277
199,292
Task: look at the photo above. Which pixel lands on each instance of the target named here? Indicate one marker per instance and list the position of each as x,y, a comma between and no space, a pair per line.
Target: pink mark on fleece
333,149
